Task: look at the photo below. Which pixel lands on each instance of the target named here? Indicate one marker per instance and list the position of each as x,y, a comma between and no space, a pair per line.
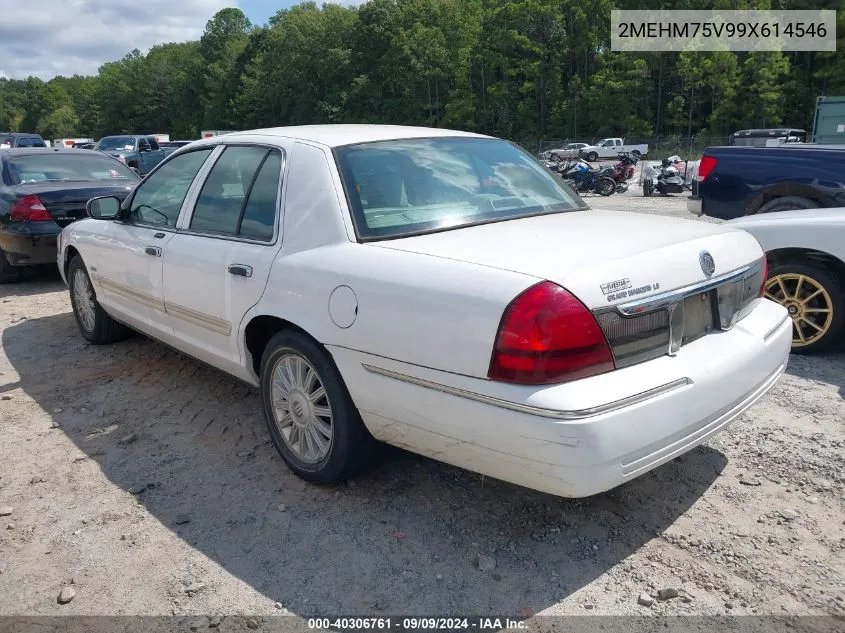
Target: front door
128,269
217,265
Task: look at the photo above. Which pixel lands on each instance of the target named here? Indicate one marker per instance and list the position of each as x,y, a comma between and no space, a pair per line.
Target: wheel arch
70,252
786,189
258,332
780,256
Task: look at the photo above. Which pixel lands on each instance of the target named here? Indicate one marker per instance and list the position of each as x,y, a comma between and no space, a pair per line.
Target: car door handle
155,251
241,270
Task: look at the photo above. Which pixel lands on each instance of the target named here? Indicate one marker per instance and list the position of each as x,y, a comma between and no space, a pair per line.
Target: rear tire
605,186
8,274
788,203
815,300
94,323
310,415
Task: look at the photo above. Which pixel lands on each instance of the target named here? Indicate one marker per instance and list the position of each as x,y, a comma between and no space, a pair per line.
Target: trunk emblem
708,264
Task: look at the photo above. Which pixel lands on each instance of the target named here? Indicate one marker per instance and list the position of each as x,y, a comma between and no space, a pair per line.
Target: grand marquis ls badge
708,264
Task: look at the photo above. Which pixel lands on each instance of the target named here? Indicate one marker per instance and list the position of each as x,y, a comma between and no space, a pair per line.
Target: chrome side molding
576,414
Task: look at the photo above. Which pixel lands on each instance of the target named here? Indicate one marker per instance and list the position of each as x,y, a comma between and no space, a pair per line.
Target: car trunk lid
603,257
654,284
65,201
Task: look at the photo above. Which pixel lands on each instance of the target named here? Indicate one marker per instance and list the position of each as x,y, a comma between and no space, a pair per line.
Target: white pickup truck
610,148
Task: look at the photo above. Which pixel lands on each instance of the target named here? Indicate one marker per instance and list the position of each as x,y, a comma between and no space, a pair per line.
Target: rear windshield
74,167
407,187
116,142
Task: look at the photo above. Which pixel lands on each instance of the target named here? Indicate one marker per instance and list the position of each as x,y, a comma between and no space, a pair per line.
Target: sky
45,38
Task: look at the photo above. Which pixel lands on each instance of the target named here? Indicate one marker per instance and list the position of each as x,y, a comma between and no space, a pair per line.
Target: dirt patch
145,481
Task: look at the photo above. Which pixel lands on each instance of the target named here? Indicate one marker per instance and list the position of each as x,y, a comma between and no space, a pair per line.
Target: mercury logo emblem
708,265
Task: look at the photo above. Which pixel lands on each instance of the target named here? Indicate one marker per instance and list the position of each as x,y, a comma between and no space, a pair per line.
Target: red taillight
705,166
29,209
548,336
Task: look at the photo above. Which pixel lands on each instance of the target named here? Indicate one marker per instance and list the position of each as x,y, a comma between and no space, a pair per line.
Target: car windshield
116,142
407,187
76,167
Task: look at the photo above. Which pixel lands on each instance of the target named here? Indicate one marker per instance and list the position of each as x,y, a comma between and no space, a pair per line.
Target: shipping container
829,122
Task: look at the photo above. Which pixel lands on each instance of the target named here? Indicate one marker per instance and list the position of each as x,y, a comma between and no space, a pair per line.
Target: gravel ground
138,481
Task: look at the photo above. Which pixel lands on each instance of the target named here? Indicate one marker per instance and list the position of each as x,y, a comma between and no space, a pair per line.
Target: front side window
143,146
408,187
158,200
239,197
153,144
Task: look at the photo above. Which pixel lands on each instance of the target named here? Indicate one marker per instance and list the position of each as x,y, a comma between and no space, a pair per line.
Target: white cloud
46,38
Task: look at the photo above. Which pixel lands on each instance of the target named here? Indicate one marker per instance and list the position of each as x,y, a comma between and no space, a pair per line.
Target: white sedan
806,252
438,291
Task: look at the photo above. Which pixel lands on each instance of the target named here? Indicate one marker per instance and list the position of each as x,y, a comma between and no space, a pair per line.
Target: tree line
518,69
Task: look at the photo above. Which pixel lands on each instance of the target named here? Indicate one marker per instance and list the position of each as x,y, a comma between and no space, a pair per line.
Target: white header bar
747,31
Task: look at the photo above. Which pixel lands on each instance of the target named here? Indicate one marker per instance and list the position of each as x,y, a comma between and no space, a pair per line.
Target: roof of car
336,135
20,134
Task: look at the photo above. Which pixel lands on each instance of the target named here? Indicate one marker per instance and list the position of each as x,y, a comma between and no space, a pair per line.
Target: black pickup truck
735,181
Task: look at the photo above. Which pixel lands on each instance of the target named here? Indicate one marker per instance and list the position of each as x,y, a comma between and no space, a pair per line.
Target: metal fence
687,147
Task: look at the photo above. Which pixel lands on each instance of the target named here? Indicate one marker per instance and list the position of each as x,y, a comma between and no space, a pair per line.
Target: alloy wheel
301,408
808,302
83,300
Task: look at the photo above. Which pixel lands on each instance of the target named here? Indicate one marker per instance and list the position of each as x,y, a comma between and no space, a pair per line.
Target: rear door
216,267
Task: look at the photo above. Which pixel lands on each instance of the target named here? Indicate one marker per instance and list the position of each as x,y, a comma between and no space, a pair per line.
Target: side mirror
103,207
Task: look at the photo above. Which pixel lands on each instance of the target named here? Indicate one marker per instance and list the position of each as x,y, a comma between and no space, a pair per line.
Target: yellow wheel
813,298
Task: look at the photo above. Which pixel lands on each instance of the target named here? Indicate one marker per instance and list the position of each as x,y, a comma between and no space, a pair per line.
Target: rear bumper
695,206
29,249
580,438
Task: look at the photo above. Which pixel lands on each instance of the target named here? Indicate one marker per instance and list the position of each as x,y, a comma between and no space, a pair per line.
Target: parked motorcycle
665,180
584,179
623,171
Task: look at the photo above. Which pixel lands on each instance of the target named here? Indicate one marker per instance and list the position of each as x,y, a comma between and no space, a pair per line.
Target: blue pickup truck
736,181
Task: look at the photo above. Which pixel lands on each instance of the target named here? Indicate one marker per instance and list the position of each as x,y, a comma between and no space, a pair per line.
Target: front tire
648,188
309,413
815,300
592,157
788,203
94,323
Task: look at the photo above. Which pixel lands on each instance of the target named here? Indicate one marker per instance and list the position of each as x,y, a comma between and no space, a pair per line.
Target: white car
435,290
806,252
569,152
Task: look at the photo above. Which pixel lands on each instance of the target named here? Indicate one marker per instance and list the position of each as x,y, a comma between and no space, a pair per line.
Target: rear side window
37,142
239,197
63,167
